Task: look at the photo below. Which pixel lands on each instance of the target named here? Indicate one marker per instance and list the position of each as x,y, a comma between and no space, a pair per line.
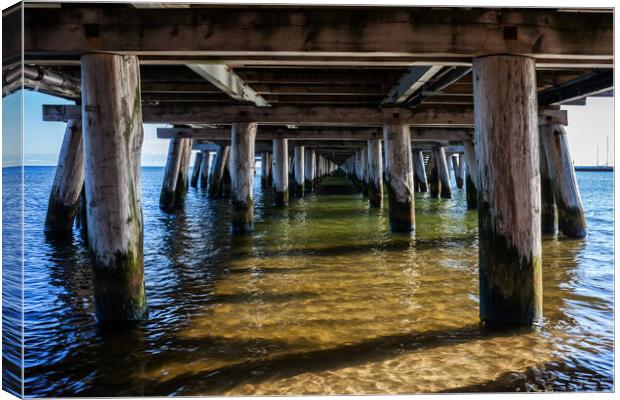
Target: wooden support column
439,155
506,137
264,169
218,168
113,134
433,176
196,170
399,177
204,169
68,182
547,198
364,170
242,176
375,173
571,218
459,171
299,170
183,177
420,170
309,166
471,176
280,171
171,174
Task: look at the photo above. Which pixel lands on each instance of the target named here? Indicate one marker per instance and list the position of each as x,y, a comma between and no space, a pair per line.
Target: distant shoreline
594,168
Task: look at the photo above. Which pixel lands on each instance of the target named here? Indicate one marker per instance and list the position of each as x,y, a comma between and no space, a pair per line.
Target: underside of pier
386,94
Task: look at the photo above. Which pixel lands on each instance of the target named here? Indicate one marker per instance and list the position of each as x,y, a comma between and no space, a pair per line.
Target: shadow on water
287,365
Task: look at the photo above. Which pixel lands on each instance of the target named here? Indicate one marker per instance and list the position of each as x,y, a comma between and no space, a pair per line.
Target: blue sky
589,126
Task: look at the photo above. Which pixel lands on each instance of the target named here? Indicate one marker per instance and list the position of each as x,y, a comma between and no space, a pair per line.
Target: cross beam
286,115
328,135
379,34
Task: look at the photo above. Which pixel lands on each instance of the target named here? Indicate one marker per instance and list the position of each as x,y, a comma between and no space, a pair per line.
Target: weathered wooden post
196,170
280,171
439,155
506,138
171,173
359,171
183,176
433,176
399,177
547,198
375,174
420,171
112,127
218,168
299,170
227,178
571,218
264,169
242,175
364,170
458,169
204,169
68,182
309,166
471,177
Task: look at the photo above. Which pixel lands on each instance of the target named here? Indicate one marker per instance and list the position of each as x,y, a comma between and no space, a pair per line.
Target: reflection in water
321,299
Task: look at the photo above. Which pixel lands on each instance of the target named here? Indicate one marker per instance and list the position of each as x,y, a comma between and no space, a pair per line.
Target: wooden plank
287,115
409,83
348,32
222,77
579,88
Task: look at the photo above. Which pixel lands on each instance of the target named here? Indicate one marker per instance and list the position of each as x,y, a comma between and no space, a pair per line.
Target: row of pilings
505,165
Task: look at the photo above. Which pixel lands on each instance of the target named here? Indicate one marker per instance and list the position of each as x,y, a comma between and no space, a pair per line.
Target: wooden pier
389,95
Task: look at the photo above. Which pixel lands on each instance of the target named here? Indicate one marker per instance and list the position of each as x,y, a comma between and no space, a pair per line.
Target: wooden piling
113,135
218,168
68,182
196,170
420,170
171,174
399,177
471,177
434,179
183,176
364,170
204,169
458,166
547,198
439,155
242,175
299,170
309,171
506,138
571,218
280,172
264,169
375,173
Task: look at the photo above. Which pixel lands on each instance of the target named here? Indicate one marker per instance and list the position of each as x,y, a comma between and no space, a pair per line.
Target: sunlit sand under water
320,299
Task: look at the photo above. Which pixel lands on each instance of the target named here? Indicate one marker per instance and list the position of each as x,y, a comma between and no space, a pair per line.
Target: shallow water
320,299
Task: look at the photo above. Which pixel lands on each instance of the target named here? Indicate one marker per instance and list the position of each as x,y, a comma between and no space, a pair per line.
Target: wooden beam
284,115
222,77
267,133
278,33
409,83
446,79
579,88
